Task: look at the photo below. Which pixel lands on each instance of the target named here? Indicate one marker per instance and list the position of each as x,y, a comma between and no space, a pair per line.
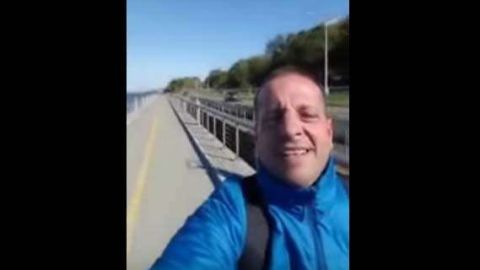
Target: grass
338,99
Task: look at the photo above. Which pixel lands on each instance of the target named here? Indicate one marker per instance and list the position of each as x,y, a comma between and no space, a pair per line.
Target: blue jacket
311,227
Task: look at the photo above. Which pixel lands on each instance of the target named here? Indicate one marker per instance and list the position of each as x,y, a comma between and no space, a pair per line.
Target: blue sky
174,38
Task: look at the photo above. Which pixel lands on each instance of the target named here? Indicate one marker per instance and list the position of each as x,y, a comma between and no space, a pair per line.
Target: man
305,202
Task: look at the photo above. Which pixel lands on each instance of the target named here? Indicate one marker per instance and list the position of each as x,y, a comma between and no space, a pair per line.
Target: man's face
293,134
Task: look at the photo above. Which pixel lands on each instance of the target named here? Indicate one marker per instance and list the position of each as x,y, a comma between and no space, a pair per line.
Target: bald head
281,73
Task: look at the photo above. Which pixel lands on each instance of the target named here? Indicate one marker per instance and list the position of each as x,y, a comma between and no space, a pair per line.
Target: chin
299,178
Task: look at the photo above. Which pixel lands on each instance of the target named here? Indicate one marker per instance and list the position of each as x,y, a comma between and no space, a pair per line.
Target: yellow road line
134,206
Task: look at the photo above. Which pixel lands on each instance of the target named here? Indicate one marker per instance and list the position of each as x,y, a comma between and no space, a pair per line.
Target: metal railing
233,125
246,114
137,102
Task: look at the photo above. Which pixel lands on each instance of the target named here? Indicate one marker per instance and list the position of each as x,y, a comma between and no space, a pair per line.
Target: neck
290,182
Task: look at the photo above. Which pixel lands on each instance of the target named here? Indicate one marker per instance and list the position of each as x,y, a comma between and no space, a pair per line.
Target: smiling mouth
295,152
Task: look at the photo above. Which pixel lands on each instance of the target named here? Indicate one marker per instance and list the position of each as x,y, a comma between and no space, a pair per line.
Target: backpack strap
256,253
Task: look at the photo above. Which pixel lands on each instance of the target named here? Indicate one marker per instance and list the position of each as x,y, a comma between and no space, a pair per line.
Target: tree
238,75
185,83
258,67
216,79
276,45
305,49
339,54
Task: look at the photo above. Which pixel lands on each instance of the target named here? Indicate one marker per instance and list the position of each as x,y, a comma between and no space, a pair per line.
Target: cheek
265,134
263,140
319,134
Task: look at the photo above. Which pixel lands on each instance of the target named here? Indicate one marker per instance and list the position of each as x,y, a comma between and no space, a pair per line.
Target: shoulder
229,192
214,235
341,209
226,204
342,194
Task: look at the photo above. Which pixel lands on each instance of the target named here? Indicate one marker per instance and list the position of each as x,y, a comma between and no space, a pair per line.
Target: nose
290,126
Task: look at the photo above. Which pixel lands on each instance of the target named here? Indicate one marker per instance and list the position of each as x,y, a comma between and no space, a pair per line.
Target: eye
309,115
273,117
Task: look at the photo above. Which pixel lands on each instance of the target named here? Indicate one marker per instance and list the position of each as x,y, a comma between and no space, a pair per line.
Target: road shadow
214,178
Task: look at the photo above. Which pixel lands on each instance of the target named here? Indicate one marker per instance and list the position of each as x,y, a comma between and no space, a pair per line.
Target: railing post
237,141
208,122
197,110
214,127
224,132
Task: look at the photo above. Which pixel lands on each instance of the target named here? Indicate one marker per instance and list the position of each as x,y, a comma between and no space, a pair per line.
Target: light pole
327,88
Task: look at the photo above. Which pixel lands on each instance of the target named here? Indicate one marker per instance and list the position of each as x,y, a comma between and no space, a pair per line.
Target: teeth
295,152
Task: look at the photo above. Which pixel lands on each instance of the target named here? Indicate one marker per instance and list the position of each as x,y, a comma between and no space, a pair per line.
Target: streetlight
327,89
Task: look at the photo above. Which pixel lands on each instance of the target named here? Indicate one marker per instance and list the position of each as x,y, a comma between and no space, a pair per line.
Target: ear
330,128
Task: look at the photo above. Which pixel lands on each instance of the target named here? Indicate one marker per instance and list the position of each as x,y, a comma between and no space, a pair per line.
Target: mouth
295,152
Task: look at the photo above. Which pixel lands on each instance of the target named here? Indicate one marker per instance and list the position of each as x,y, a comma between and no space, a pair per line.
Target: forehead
293,89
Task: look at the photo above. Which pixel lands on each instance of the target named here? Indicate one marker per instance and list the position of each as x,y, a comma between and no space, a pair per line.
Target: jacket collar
322,193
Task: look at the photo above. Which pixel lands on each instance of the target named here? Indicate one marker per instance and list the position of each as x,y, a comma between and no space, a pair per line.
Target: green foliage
185,83
305,49
216,79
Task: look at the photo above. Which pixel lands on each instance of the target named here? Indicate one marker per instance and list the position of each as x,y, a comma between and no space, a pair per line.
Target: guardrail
136,103
233,125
